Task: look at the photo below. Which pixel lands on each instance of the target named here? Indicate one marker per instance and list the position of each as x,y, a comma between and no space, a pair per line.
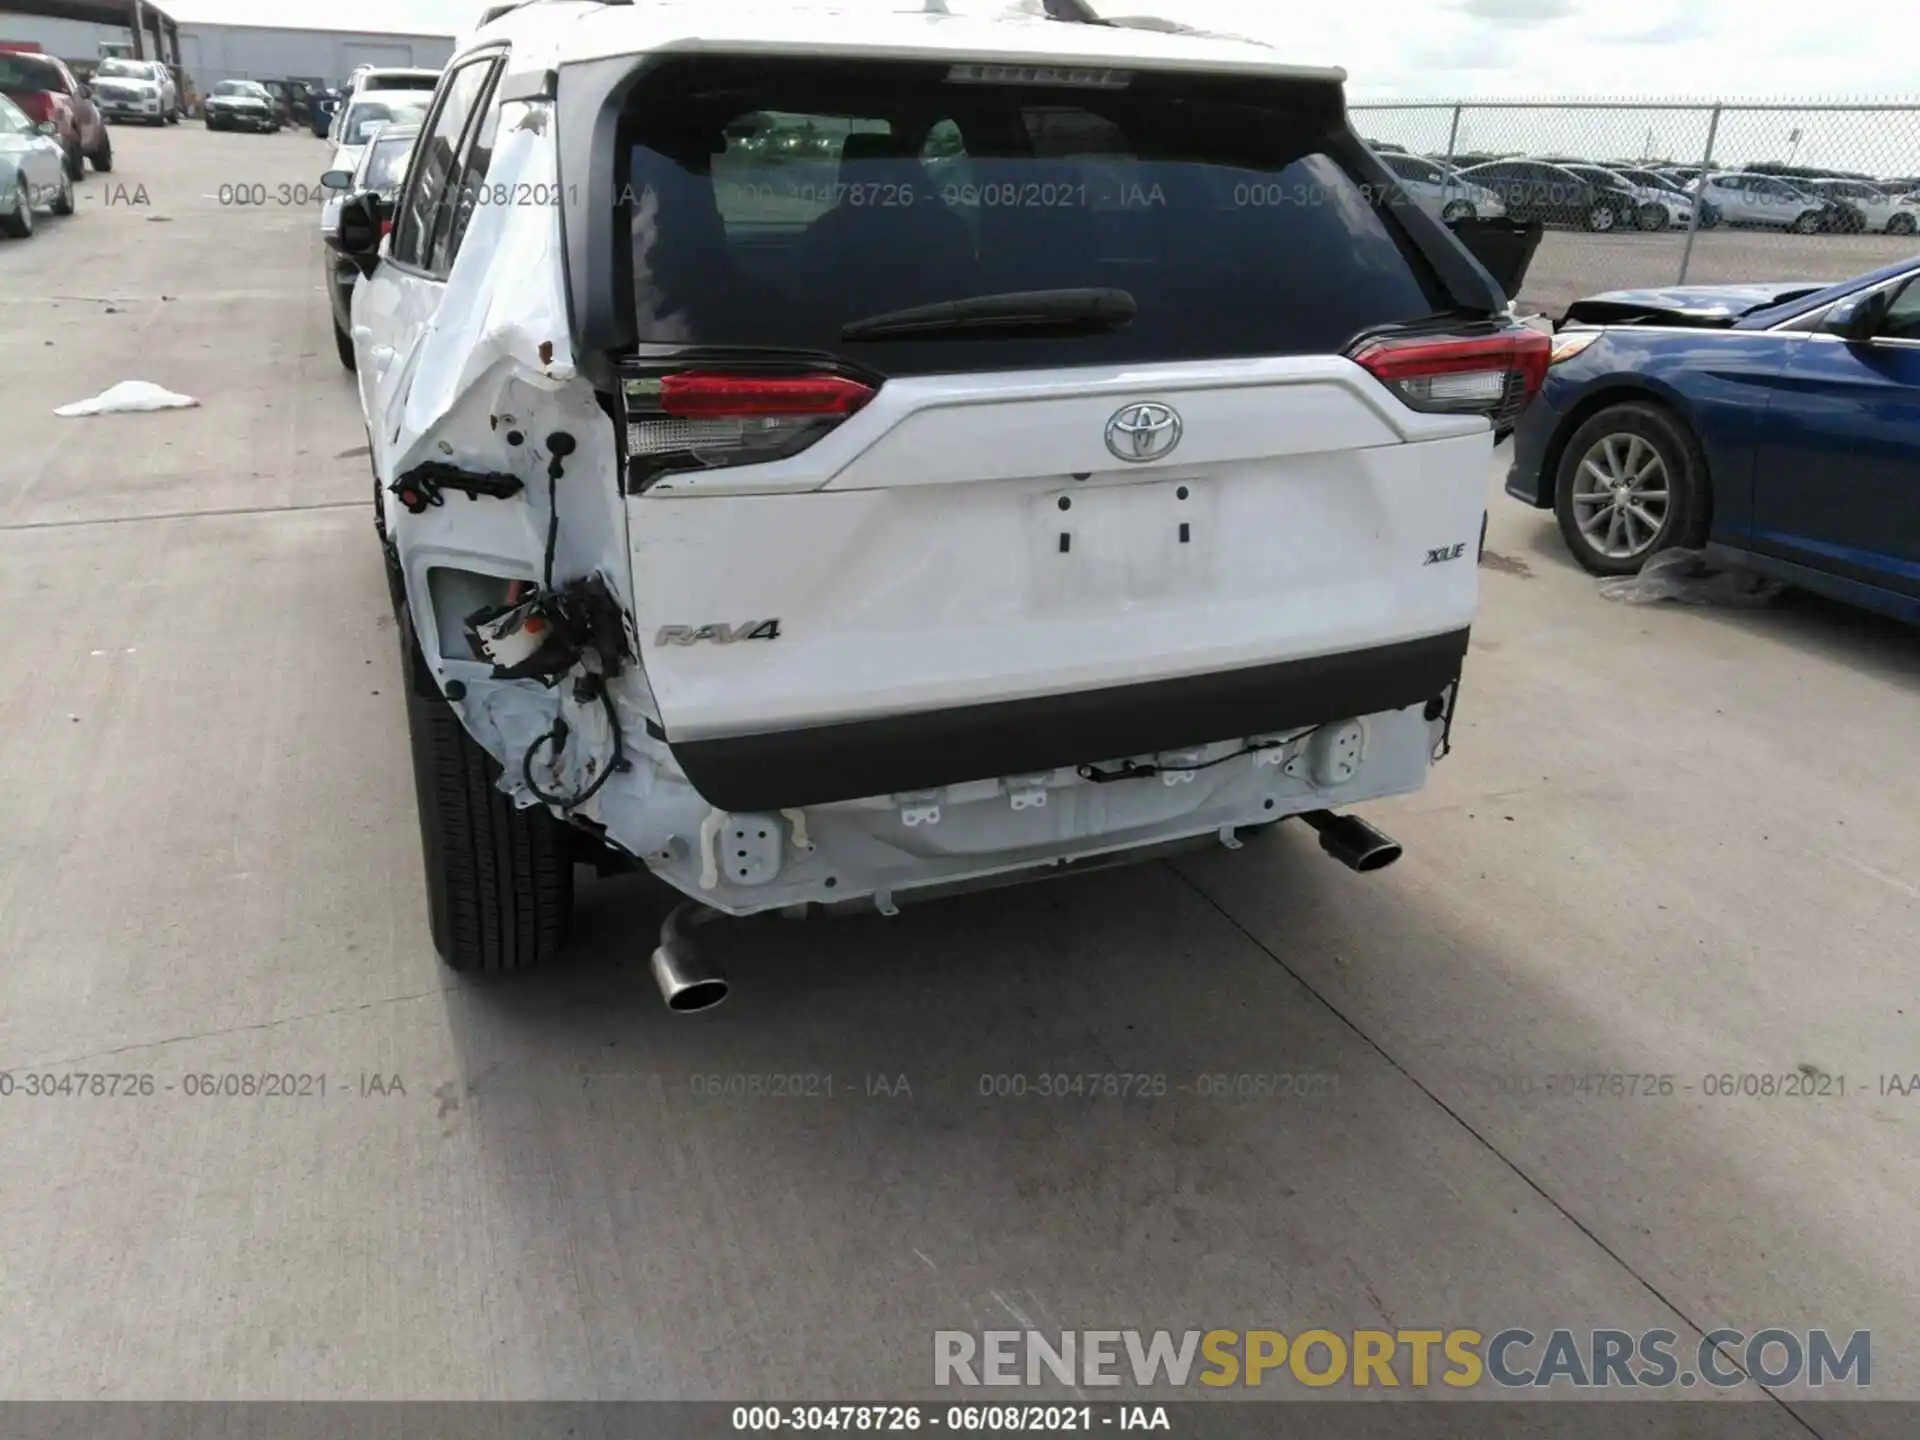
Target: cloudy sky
1421,48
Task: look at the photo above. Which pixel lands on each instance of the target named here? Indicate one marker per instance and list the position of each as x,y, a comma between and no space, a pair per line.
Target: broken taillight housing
709,418
1495,374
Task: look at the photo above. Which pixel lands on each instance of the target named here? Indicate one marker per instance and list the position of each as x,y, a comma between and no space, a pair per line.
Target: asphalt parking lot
1571,263
1671,841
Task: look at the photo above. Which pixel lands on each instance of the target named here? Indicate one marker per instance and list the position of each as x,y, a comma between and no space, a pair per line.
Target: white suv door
394,307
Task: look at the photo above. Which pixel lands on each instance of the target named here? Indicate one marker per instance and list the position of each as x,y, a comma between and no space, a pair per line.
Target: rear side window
437,166
475,159
18,74
770,203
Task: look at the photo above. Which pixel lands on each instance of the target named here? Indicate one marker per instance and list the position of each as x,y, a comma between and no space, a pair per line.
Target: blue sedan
1778,426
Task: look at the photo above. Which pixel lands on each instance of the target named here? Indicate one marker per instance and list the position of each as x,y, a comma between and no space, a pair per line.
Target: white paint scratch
928,1263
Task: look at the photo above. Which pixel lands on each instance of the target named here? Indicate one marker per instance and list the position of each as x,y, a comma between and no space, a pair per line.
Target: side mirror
1857,317
337,180
358,237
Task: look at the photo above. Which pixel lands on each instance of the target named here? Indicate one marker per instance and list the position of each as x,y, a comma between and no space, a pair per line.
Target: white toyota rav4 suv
841,454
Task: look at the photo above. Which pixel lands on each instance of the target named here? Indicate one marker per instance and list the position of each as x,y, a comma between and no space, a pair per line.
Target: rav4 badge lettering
718,634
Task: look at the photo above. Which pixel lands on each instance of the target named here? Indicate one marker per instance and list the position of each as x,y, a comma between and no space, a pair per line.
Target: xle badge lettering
1445,553
718,634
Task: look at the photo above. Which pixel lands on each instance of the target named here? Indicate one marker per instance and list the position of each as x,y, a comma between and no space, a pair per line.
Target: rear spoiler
1504,247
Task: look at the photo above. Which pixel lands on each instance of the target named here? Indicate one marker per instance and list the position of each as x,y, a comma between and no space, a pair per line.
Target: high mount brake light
712,419
1494,375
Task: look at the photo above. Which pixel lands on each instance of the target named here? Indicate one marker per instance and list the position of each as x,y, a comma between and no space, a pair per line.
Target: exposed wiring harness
1129,770
557,737
593,684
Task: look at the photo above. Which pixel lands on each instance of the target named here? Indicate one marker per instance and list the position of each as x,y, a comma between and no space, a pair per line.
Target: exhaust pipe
1352,841
686,984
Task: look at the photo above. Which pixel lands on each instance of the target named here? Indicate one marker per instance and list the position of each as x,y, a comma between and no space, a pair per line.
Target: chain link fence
1637,194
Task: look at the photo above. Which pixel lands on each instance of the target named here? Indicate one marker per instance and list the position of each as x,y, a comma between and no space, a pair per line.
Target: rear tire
1901,225
103,157
76,162
1606,449
63,202
343,346
499,879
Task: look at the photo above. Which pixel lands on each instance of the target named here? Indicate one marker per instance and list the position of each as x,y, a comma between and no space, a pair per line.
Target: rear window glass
771,203
365,117
387,166
19,74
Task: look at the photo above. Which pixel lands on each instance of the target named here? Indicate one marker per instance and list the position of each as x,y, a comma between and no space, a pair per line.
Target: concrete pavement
1670,842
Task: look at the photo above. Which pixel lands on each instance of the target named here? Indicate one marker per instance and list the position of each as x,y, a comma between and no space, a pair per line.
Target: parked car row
1568,191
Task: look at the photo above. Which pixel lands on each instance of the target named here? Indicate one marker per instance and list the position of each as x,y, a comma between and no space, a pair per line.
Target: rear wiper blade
1061,311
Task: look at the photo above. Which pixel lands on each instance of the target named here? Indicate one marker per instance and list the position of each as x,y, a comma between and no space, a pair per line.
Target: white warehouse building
84,31
211,53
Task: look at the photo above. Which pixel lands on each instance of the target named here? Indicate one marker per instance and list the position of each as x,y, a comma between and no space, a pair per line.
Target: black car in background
240,105
1555,195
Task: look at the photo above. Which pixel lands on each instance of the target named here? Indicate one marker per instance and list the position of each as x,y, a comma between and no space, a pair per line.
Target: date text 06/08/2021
197,1085
953,1419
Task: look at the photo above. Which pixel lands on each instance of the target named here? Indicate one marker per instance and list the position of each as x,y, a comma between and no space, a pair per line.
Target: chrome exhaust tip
686,984
1353,842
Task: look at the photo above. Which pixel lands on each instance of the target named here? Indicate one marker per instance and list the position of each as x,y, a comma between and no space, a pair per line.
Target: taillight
386,228
1493,375
709,419
37,104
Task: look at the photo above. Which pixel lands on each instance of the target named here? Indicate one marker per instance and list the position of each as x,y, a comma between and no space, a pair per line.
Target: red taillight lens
710,419
386,228
710,396
1493,375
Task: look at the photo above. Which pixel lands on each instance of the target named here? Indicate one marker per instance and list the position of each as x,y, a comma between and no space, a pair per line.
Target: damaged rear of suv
829,468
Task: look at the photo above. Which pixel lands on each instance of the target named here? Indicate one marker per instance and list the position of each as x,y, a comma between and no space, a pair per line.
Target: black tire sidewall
1686,482
522,915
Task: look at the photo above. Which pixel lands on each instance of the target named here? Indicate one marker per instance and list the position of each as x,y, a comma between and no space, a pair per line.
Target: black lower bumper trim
785,769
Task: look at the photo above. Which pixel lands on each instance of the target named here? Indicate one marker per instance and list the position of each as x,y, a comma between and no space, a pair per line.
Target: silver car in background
1749,199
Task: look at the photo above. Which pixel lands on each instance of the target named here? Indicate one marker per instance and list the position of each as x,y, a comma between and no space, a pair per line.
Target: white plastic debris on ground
1686,577
126,397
